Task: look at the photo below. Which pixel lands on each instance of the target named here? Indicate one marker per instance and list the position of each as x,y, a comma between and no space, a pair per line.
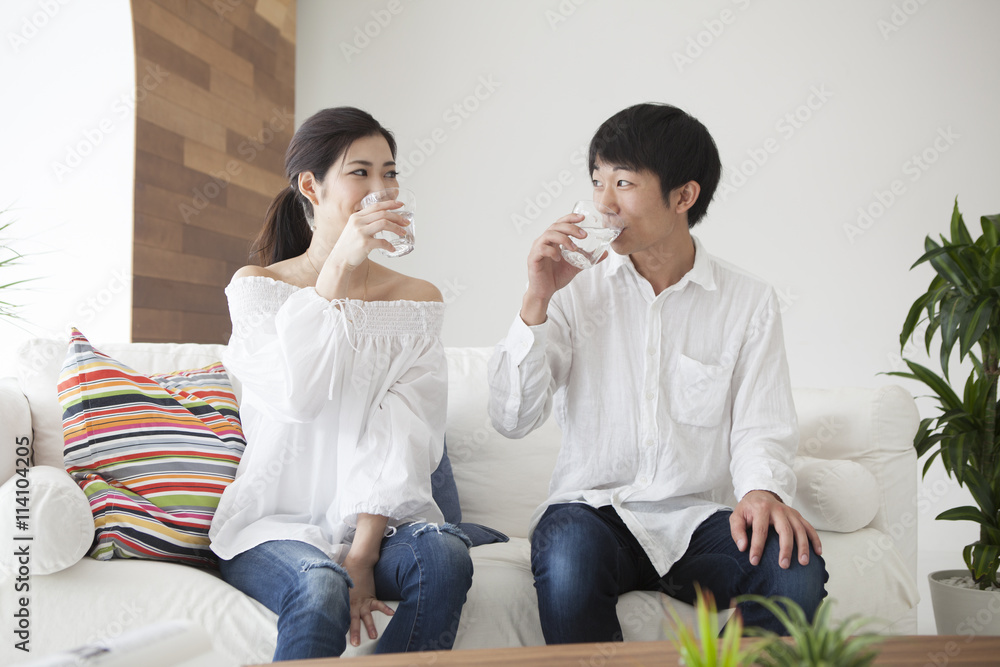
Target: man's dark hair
666,141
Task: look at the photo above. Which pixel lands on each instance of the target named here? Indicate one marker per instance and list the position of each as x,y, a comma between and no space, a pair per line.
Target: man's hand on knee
758,510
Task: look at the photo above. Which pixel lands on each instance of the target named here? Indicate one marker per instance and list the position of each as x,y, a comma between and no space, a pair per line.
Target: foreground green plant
8,258
710,650
962,302
813,644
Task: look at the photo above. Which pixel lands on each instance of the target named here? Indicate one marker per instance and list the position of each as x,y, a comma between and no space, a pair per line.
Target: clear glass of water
602,226
403,244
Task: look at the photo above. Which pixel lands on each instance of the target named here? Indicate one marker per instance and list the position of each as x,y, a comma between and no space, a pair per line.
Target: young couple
675,403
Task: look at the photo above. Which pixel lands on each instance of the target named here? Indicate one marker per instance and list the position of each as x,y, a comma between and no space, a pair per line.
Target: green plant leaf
931,254
932,328
959,232
975,327
949,399
929,461
966,513
951,318
981,492
944,263
991,230
912,318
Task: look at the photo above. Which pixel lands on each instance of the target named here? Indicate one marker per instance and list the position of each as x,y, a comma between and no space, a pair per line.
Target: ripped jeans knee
307,564
450,528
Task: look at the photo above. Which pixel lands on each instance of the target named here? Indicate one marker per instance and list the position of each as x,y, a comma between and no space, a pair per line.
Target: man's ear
687,195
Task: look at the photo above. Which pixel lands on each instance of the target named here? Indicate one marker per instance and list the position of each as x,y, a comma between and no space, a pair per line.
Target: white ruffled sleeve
390,470
286,349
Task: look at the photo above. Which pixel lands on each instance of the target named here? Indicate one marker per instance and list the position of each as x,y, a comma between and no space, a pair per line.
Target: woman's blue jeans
584,558
425,566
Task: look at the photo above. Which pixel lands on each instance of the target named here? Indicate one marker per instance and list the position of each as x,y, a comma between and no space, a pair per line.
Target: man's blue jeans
425,566
584,558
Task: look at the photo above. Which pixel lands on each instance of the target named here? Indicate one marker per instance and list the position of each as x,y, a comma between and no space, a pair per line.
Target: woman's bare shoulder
422,290
254,270
401,287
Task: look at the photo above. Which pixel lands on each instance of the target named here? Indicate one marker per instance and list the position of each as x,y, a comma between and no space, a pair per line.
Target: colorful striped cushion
152,454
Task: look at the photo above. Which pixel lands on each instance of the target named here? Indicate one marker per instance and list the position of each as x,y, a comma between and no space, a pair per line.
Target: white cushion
15,427
500,481
840,496
869,576
59,521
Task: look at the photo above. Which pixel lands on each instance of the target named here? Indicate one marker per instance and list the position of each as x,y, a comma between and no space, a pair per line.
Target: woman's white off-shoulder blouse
343,409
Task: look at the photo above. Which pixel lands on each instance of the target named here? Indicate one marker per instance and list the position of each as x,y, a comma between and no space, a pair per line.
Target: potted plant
962,308
705,648
815,644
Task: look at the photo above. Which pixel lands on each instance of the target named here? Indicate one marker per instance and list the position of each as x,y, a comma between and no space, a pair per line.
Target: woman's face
366,166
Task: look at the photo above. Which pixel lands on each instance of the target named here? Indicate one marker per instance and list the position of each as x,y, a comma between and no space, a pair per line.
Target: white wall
888,81
67,151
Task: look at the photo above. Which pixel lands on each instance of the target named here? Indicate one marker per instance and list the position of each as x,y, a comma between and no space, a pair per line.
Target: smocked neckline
383,302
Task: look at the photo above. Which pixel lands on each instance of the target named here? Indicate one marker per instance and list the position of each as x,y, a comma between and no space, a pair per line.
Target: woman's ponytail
286,232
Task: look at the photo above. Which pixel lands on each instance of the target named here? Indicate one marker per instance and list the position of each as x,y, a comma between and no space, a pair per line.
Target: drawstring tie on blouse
356,315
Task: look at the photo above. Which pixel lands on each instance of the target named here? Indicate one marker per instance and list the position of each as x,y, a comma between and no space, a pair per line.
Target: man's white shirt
671,405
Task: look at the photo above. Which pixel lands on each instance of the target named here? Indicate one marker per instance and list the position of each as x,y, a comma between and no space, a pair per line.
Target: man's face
636,197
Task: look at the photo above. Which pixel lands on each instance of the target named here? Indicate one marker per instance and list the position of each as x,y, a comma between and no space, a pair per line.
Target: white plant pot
963,611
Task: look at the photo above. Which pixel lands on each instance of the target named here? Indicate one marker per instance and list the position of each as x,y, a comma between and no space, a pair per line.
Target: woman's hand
356,241
363,600
360,565
358,238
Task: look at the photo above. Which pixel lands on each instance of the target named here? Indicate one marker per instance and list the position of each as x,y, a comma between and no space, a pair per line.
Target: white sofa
500,482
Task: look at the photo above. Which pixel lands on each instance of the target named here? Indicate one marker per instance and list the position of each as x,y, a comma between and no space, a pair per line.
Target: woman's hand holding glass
356,241
359,236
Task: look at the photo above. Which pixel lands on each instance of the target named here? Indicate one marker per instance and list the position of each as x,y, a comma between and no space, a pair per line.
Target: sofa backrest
500,481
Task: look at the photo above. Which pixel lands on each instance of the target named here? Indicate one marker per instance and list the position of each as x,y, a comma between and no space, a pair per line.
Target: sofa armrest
874,427
15,426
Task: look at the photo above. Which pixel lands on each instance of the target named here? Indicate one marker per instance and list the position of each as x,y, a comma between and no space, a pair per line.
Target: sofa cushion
39,362
59,522
839,496
153,454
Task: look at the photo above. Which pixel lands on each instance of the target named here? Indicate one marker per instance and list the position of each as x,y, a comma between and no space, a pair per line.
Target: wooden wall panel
211,131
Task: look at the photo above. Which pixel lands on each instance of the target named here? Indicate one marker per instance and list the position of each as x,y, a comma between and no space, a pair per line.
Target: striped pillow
153,454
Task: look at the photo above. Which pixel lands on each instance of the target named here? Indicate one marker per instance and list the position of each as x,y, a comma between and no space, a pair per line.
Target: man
667,371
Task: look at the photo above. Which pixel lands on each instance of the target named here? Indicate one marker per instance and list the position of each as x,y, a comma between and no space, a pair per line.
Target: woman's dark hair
666,141
317,145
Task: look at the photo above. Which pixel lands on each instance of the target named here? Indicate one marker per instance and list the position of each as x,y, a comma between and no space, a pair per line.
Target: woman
344,396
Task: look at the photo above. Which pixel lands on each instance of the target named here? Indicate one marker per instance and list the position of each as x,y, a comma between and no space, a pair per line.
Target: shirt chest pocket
699,392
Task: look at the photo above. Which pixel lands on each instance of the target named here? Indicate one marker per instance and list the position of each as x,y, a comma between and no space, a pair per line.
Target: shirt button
643,480
649,442
652,352
650,396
